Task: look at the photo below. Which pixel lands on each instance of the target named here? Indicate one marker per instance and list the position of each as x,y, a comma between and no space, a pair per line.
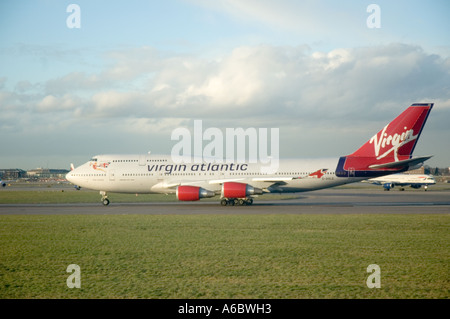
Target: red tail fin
394,143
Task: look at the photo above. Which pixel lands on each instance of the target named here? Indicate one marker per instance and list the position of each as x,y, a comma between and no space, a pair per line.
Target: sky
134,71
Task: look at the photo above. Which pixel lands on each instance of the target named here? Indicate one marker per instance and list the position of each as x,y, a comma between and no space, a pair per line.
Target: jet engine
192,193
239,190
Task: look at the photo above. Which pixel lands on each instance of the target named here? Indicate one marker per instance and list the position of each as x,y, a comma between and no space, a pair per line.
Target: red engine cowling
239,190
192,193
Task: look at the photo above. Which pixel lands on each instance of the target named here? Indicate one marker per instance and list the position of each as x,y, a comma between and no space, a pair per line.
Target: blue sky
136,70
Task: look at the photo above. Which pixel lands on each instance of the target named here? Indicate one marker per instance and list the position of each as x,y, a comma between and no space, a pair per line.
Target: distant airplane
387,152
402,180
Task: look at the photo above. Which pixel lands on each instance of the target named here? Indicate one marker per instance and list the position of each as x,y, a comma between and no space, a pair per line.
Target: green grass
224,256
68,196
72,196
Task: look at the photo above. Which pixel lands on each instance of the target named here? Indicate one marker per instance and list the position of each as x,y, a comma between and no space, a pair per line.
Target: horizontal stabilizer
398,164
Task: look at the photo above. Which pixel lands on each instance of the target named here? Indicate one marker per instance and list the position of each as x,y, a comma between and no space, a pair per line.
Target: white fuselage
160,174
405,179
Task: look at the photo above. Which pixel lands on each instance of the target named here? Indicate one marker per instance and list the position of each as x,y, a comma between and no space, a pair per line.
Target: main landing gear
224,202
236,201
105,200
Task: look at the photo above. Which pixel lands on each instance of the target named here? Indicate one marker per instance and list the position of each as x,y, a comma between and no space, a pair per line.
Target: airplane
387,152
413,180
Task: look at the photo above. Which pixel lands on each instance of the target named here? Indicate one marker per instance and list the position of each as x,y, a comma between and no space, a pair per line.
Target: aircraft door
112,176
142,160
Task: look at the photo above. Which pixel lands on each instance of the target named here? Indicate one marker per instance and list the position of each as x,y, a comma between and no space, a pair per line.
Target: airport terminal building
38,173
47,173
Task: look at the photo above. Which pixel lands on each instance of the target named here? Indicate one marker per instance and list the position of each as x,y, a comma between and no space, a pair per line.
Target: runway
330,201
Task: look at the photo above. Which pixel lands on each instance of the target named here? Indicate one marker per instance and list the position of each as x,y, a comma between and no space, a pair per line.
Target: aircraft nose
69,176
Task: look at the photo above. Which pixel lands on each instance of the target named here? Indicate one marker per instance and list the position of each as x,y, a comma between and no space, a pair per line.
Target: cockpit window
94,159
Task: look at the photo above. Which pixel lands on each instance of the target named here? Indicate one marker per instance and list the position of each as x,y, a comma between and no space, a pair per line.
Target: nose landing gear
105,200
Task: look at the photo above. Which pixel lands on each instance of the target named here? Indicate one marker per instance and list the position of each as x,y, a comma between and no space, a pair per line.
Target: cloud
77,82
143,93
51,103
257,81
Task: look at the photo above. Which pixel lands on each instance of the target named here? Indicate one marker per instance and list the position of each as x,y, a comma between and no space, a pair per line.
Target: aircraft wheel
106,202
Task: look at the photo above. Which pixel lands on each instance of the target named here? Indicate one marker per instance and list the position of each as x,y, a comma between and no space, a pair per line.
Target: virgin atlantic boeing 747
387,152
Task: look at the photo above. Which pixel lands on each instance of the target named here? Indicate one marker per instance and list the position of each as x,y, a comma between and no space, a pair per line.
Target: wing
212,187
